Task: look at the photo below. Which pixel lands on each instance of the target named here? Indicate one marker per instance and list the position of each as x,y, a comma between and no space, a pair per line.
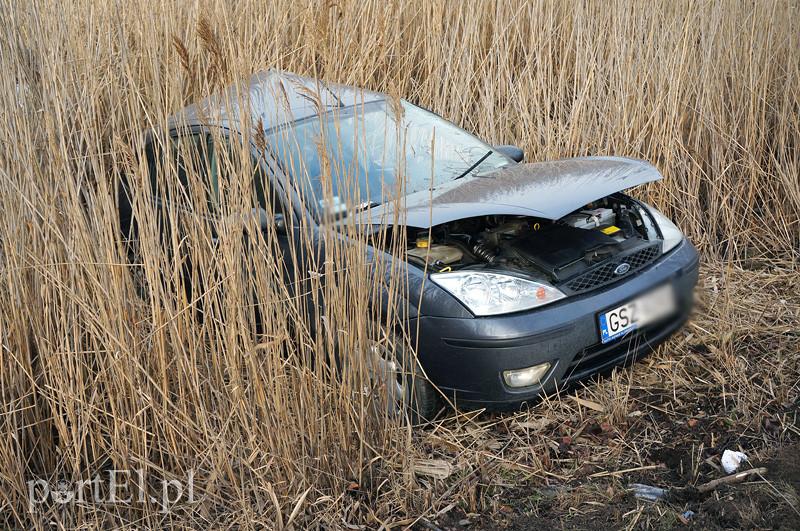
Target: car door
152,211
242,191
268,211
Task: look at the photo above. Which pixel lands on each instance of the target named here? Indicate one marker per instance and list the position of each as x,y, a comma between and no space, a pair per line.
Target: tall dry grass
96,373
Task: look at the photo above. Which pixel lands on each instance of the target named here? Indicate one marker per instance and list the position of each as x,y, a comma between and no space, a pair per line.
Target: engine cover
562,251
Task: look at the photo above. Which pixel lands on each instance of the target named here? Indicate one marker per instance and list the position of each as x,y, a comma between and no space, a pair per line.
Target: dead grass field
95,375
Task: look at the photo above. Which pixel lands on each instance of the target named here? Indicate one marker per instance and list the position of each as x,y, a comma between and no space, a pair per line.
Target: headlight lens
669,231
495,293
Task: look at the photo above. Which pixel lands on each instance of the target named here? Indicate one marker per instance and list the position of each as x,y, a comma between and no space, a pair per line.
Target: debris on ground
686,517
648,492
731,461
434,468
729,480
654,494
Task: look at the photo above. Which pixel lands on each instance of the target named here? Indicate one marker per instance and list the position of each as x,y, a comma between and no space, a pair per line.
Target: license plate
637,313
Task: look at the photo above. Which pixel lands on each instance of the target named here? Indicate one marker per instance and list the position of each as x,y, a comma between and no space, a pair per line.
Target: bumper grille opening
599,357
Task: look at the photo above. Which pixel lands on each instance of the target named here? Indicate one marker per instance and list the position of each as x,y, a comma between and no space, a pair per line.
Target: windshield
368,154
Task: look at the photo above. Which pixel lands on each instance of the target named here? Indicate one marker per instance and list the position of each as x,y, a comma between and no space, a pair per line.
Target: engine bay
553,251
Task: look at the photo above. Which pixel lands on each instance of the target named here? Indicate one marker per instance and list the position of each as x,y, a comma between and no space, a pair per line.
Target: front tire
408,390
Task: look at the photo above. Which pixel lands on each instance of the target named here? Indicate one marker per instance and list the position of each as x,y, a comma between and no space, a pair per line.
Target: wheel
408,390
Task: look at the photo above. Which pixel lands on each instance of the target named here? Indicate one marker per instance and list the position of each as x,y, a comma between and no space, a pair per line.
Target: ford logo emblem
623,268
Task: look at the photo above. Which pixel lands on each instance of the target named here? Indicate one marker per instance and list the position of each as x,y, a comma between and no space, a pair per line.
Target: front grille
604,273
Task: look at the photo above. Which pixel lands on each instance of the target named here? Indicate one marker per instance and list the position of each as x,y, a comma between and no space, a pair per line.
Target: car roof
272,97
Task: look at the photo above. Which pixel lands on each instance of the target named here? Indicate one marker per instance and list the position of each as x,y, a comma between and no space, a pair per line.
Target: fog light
527,376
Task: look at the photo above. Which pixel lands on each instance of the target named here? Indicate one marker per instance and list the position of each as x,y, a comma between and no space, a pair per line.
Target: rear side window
171,175
192,157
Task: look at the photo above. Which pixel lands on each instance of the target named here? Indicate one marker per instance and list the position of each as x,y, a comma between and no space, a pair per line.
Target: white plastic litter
732,460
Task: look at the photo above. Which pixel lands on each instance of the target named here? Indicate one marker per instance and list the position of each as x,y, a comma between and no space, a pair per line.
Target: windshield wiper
478,163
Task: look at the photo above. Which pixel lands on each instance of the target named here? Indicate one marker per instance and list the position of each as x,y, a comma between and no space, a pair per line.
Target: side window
185,157
154,160
265,192
232,157
205,167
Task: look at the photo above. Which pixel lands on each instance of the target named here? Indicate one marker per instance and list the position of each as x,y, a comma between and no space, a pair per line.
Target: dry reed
97,372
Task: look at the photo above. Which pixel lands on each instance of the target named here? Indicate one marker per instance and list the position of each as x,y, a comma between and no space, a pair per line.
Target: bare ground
729,380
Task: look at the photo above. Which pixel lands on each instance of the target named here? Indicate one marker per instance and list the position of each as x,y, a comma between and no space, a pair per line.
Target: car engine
554,251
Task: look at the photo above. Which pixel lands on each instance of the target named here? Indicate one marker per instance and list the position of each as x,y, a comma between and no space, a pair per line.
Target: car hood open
549,190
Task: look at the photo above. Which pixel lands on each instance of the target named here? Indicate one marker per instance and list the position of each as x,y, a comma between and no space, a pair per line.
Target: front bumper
465,358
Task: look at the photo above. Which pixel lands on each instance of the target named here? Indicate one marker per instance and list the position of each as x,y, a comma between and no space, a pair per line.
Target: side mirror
279,221
513,152
265,220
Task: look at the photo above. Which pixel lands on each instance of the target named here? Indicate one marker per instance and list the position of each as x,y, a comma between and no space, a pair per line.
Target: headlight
494,293
671,234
